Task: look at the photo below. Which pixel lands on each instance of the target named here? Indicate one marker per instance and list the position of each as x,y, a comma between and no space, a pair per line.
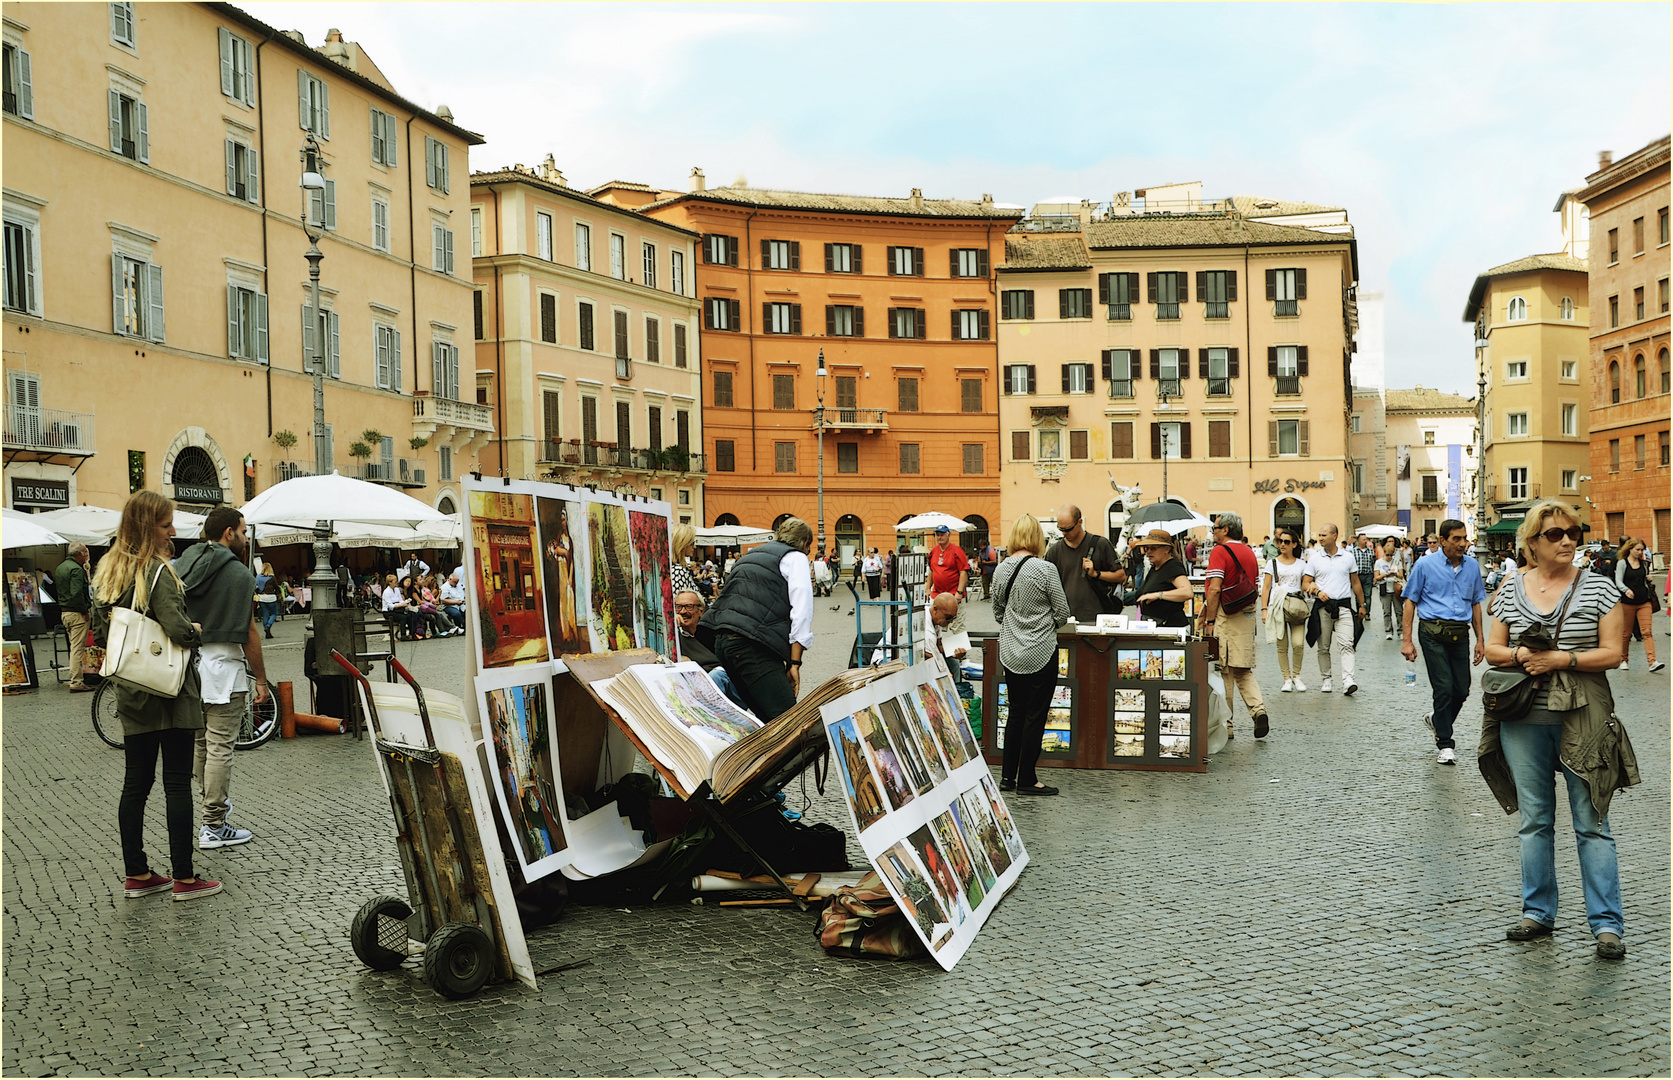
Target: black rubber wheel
105,721
379,932
458,959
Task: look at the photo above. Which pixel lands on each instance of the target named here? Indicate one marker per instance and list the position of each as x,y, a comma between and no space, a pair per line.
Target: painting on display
611,599
564,573
16,673
24,592
653,583
510,618
517,721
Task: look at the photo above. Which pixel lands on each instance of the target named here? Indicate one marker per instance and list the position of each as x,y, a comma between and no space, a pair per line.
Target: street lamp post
1481,443
1164,437
819,427
322,581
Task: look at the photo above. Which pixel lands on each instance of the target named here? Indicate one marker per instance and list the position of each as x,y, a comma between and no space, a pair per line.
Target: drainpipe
412,265
261,144
1249,354
749,295
499,338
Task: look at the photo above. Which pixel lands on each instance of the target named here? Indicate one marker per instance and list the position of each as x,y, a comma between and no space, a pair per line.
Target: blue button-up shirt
1444,591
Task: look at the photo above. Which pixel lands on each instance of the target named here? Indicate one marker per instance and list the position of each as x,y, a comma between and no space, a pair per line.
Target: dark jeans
757,674
177,746
1029,700
1449,678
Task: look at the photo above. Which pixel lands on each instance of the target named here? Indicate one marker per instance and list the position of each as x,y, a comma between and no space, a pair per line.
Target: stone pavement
1328,902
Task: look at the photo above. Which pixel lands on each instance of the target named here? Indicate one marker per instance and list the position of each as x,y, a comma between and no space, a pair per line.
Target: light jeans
212,764
75,628
1394,607
1336,635
1531,751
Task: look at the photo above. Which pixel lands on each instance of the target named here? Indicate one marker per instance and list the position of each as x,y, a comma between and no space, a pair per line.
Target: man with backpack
1228,614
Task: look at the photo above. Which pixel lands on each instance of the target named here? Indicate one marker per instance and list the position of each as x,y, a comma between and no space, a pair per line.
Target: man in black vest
762,621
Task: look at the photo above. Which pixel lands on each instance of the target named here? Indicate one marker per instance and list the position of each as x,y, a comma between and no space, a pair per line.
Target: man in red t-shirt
1228,614
949,566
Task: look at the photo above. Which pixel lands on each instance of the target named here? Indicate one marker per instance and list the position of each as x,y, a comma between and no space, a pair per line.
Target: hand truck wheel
379,932
458,959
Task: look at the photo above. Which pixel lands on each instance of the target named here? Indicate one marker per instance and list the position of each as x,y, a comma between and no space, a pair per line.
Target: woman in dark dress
1168,585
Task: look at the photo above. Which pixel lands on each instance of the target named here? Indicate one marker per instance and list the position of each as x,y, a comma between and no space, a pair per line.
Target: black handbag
1508,693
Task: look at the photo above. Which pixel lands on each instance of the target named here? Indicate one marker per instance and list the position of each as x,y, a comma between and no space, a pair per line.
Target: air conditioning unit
418,477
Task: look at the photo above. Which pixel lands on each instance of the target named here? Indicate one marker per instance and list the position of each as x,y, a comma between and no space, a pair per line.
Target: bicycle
259,725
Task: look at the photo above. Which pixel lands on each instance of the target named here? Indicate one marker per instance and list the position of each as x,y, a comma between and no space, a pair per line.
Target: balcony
1168,389
290,470
1287,386
463,426
565,455
401,472
862,420
48,433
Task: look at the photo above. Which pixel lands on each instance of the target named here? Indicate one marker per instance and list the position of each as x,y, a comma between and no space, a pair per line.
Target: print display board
924,805
1057,740
1154,707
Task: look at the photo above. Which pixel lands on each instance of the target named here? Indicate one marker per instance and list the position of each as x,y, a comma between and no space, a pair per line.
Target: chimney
549,171
1605,158
445,113
917,198
987,201
698,183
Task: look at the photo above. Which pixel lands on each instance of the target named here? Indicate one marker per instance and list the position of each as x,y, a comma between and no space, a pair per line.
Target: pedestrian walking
1638,601
1365,564
1029,606
986,563
75,603
136,574
1230,600
1269,550
762,622
267,598
1286,609
1563,626
1332,580
1388,576
873,568
1442,605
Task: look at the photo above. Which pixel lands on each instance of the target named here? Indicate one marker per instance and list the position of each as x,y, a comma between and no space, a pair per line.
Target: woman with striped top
1548,591
1029,605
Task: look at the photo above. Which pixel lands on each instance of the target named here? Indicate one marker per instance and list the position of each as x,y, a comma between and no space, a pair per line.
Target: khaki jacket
1595,746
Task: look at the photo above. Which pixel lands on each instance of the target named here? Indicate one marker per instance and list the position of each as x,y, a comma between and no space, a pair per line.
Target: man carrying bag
1228,614
1443,597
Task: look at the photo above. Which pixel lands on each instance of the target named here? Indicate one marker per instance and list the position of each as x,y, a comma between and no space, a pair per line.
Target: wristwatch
1573,659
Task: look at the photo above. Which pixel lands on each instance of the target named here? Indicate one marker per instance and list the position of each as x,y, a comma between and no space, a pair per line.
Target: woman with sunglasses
1281,577
1632,578
1389,576
1582,618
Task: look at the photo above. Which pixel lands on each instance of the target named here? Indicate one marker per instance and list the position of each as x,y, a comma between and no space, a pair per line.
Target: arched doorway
196,479
726,519
780,520
850,536
446,506
1290,514
975,538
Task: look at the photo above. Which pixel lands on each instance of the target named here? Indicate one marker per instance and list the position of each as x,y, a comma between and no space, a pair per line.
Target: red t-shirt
945,563
1229,563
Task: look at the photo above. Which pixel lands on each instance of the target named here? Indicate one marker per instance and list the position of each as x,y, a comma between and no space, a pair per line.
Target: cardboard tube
287,711
329,725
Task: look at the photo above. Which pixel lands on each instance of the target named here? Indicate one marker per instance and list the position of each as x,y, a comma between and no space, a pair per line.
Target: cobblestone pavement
1326,902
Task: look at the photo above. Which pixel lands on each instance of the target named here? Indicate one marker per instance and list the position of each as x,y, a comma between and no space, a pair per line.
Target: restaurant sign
44,494
1292,485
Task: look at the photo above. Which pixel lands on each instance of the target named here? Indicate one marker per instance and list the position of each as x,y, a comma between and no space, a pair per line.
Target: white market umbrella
1381,532
352,534
304,500
189,526
732,536
1170,516
20,530
94,525
931,521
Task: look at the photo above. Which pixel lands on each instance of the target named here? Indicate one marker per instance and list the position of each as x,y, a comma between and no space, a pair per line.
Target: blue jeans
1531,751
1449,679
269,612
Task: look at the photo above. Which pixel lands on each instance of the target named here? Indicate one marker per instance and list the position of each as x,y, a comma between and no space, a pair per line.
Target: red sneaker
145,886
200,887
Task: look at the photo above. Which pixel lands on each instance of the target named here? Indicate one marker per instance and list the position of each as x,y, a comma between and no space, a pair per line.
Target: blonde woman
1029,606
1637,600
684,540
136,574
267,597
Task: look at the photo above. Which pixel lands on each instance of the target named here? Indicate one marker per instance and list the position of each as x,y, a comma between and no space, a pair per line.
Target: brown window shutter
708,315
982,261
1155,442
1155,363
732,251
1031,378
889,256
1106,364
1019,445
766,318
1066,368
955,333
1150,286
1184,363
828,262
984,323
1005,379
1272,438
1103,288
859,322
1202,363
1028,304
952,262
1231,363
734,309
922,323
1185,439
1301,438
1272,284
830,317
1301,284
918,262
1301,360
795,318
854,253
1202,284
766,254
1272,361
1231,286
1184,280
1135,364
1062,303
893,324
795,254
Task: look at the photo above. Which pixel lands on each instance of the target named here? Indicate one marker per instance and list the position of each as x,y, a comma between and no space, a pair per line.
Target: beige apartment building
1532,314
156,292
1194,352
586,338
1431,436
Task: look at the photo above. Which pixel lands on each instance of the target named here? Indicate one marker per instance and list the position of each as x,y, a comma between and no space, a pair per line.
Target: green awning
1505,527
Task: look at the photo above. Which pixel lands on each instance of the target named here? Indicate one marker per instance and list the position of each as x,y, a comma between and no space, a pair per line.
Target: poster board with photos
924,804
1059,741
1155,716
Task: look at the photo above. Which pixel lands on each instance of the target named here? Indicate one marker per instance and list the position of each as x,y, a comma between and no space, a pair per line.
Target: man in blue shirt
1443,597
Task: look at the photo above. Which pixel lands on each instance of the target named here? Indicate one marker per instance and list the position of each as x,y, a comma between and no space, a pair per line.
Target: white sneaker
1388,637
1623,665
1657,666
214,836
1287,687
1324,687
1300,687
1446,757
1350,689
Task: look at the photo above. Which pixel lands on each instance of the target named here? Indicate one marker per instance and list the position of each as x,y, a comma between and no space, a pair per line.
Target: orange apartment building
898,296
1628,201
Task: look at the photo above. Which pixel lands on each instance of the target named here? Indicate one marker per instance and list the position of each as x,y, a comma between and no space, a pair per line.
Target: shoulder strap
144,606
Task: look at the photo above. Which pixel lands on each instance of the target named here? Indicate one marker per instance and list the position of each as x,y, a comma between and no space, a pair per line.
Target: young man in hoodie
220,597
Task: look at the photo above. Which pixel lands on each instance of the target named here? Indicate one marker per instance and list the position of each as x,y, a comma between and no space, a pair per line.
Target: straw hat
1154,538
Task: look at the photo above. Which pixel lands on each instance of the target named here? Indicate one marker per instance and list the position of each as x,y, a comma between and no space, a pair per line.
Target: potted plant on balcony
285,440
677,459
418,442
360,452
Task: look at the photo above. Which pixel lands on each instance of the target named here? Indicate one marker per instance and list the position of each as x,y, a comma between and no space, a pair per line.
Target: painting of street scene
525,773
511,620
884,758
858,783
976,815
916,896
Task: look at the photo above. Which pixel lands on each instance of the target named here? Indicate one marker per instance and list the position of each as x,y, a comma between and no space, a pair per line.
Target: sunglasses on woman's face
1285,540
1555,536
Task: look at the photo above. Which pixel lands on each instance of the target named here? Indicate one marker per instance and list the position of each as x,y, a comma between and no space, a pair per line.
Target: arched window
446,505
1614,382
780,520
1518,309
850,533
196,479
1568,308
726,519
975,538
1639,383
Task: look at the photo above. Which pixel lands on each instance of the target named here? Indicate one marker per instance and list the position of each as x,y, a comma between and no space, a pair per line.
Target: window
543,236
1614,246
1570,479
1516,424
784,392
122,24
1358,470
476,231
1517,310
1121,440
1168,366
589,430
436,172
1638,235
1217,289
682,429
548,318
1020,443
1570,370
1614,455
325,325
848,457
444,369
653,341
723,389
1639,383
1428,526
380,225
906,262
847,392
313,100
647,261
130,127
137,297
1661,437
1638,303
1170,440
383,137
624,426
720,250
1019,378
583,247
1077,378
476,313
1661,225
238,80
720,314
781,255
906,322
724,460
584,326
842,258
1167,292
1518,483
444,462
1220,439
1638,451
1287,364
386,357
653,426
1614,312
1074,303
1078,450
1218,367
1017,304
844,320
442,239
246,324
909,461
23,261
906,394
1661,295
1566,309
974,463
1051,445
1120,292
1431,488
1429,437
619,324
970,395
679,345
781,318
18,83
1661,365
676,272
784,457
970,325
1287,438
1571,420
1516,369
1353,424
1614,382
1286,288
322,206
618,257
968,263
1121,367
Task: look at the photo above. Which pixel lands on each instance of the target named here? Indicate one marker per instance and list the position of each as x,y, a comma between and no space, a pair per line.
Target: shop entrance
1290,514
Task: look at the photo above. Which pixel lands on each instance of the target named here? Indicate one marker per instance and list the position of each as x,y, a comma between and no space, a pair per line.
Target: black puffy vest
755,602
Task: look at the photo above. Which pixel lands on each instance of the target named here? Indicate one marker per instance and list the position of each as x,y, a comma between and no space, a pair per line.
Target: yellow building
156,290
1200,354
1532,314
587,338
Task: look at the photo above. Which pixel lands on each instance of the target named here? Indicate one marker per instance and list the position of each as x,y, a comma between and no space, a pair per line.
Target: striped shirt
1029,605
1593,597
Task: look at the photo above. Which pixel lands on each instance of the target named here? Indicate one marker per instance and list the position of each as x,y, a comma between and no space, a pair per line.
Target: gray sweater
1029,605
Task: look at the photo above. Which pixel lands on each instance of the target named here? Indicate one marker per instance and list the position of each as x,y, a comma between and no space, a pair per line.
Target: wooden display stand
1087,670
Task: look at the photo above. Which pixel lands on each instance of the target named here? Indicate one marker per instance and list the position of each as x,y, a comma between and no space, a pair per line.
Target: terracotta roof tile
1423,399
1258,206
1182,231
1046,253
859,204
1555,261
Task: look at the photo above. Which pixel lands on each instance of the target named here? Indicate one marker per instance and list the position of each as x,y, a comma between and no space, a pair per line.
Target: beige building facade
156,290
1430,440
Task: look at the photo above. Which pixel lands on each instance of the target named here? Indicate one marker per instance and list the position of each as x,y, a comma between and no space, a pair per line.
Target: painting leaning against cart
520,736
611,620
511,621
653,583
563,573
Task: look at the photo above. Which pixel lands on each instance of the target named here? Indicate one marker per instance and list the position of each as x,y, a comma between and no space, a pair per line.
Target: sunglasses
1554,535
1285,540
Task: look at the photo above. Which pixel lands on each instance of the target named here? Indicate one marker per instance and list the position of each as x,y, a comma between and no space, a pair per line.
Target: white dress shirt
798,575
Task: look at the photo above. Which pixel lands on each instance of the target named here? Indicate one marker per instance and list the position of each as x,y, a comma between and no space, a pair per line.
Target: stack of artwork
924,804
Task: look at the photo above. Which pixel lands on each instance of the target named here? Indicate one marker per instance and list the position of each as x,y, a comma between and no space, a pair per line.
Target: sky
1446,131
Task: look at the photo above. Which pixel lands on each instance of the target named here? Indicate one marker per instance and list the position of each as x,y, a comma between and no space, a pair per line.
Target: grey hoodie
220,591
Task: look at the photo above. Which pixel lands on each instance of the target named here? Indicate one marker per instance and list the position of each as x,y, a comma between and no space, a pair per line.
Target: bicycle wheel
105,721
260,723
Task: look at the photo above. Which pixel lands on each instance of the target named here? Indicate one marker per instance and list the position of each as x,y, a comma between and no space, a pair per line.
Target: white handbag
139,652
